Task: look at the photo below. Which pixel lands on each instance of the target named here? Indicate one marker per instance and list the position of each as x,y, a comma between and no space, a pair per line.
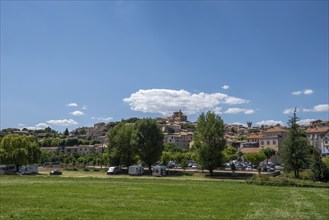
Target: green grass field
46,197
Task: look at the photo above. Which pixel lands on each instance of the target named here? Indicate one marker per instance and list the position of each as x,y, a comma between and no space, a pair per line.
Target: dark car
55,172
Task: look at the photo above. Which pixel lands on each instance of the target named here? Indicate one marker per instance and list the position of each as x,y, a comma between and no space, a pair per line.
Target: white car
113,170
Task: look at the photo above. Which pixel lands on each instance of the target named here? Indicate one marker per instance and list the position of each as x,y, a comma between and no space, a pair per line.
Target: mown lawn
45,197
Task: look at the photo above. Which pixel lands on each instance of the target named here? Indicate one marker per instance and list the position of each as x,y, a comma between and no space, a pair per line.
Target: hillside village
179,131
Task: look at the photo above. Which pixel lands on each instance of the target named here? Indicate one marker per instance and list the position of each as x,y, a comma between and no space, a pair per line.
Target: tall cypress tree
296,149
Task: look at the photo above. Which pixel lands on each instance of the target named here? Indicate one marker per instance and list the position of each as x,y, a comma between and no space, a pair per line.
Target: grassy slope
44,197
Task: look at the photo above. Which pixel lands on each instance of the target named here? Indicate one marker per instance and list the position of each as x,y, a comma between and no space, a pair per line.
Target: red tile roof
276,129
255,136
318,130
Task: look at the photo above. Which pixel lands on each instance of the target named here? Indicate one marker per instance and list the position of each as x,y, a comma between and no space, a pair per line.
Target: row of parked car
265,167
137,170
173,164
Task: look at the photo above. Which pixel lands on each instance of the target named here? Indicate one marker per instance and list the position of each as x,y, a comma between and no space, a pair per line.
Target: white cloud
318,108
63,122
296,93
308,92
305,121
77,113
305,92
226,87
238,123
269,122
239,110
217,110
84,107
166,101
72,104
289,111
35,127
102,118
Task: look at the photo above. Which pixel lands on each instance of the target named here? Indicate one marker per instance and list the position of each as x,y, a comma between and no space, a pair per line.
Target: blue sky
76,63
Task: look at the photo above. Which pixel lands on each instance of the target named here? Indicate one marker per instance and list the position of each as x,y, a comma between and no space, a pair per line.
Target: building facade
319,138
181,139
273,138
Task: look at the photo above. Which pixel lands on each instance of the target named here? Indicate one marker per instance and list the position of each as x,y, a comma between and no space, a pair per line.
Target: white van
28,169
160,171
136,170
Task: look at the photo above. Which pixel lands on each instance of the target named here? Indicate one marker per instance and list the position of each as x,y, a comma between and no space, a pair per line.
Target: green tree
18,150
120,144
66,132
255,158
148,141
171,147
81,160
33,153
209,141
269,152
55,142
72,141
296,150
230,153
326,161
319,170
166,157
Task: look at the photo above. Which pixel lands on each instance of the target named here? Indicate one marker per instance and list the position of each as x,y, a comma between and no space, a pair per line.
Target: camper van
136,170
160,171
7,169
28,169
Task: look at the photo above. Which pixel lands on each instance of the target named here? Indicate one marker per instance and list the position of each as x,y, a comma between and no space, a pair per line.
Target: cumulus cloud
102,118
77,113
84,107
72,104
35,127
305,121
226,87
305,92
269,122
166,101
63,122
308,92
238,123
318,108
217,110
239,110
289,111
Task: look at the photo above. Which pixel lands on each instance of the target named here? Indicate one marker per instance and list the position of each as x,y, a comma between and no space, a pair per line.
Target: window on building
274,142
262,143
267,142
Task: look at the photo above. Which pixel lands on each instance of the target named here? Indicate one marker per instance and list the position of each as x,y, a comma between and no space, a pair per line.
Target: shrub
284,181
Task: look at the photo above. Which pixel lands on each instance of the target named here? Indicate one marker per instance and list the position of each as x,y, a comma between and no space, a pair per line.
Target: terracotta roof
255,136
250,149
276,129
318,130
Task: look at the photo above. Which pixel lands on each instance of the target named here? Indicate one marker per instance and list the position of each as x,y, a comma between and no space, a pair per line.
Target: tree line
141,141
